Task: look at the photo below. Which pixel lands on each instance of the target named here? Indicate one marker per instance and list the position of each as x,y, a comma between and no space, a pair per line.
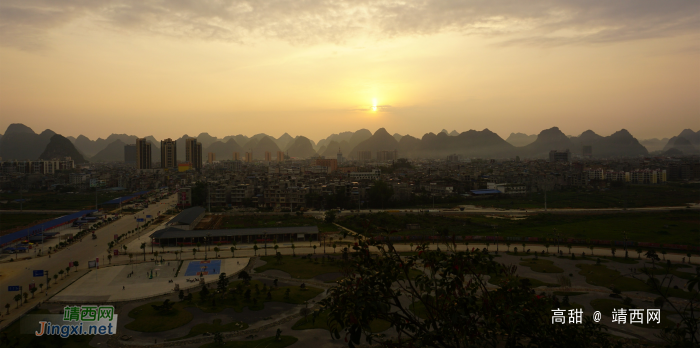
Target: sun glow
374,104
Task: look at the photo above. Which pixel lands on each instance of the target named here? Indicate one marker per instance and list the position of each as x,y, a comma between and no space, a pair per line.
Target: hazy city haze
318,67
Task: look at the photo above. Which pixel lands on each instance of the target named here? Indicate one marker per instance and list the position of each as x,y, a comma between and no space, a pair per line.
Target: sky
316,67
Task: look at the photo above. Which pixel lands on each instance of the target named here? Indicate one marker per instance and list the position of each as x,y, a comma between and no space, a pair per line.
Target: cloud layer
27,24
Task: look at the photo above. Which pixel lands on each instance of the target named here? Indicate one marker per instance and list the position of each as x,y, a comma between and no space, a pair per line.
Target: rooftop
187,216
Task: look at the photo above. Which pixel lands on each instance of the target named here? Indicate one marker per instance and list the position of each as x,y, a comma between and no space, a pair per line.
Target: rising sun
374,104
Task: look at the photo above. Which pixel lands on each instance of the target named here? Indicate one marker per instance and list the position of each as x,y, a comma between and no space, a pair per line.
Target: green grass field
542,266
60,201
215,326
636,196
270,342
676,227
298,267
149,320
285,220
15,339
321,322
10,221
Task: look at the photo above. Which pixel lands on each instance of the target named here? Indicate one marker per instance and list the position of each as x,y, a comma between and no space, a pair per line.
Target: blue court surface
198,268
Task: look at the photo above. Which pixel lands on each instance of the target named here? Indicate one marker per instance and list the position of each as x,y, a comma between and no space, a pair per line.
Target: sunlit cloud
27,24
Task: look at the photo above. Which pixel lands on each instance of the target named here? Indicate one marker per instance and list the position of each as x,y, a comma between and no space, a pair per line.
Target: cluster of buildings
289,184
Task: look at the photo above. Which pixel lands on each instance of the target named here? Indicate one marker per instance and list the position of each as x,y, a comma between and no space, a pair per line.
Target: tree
222,283
276,247
639,253
181,295
165,307
663,253
67,271
278,256
216,251
508,246
459,311
334,246
41,287
255,248
569,246
245,276
143,247
314,249
194,252
176,253
131,255
651,254
198,245
32,290
293,247
233,251
689,254
591,247
55,278
7,308
204,293
18,299
60,273
218,339
124,247
329,217
547,247
25,295
109,257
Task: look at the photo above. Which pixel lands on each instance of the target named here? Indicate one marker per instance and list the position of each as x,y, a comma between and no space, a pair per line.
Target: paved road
20,272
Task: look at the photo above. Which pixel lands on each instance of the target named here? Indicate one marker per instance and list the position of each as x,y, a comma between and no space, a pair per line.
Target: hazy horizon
315,68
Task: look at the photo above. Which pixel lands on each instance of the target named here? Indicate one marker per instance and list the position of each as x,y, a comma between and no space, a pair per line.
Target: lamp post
265,236
556,234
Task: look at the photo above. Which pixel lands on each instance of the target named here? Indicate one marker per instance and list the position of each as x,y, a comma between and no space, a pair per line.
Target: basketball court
200,268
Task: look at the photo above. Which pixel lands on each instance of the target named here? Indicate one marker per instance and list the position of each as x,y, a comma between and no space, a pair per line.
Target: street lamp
556,234
265,236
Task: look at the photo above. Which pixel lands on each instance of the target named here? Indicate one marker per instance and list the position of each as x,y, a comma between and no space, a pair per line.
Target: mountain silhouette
301,147
59,148
223,150
618,144
114,152
521,139
381,140
21,143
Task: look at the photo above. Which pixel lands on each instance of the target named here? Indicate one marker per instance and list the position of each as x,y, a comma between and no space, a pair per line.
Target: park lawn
270,342
44,200
148,319
606,307
257,301
568,293
16,339
674,227
299,268
601,275
586,258
321,322
10,221
215,326
662,269
541,266
496,279
629,260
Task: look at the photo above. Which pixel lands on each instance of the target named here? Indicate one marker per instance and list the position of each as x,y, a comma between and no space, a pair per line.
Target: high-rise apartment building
143,154
168,153
280,156
364,155
387,155
268,156
332,164
559,156
236,156
340,157
211,157
193,152
249,157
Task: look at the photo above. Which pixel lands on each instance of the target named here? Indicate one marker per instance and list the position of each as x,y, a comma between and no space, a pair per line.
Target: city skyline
239,68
